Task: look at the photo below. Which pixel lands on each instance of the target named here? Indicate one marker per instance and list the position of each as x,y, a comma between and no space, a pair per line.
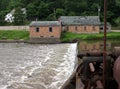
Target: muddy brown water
35,66
88,46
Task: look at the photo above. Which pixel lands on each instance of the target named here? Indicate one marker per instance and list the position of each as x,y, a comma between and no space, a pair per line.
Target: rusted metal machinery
89,74
116,52
90,71
117,71
116,68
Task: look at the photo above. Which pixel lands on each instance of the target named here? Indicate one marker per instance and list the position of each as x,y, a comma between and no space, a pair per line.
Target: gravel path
115,30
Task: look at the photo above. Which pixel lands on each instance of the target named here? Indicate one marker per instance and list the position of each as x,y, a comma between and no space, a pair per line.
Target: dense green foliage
52,9
14,35
70,37
19,17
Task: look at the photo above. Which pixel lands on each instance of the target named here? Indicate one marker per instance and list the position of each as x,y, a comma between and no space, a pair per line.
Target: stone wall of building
45,40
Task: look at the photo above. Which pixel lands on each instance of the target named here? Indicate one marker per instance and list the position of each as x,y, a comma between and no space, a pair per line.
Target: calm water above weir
26,66
88,46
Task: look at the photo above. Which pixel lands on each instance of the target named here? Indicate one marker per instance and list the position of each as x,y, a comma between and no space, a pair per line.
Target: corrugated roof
80,20
45,23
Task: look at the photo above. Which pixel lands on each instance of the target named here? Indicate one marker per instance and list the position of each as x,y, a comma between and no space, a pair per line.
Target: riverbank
14,36
71,37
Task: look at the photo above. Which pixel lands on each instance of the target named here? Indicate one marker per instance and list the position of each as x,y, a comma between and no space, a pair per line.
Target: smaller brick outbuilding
108,27
45,31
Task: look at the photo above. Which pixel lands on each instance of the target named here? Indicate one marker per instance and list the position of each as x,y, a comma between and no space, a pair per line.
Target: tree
117,2
2,18
19,17
32,11
59,12
117,21
4,4
51,17
43,10
77,6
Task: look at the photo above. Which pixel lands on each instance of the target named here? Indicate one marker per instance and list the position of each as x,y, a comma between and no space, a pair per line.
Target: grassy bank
14,35
69,37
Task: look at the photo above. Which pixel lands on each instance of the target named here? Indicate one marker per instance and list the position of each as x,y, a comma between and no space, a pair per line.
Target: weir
89,72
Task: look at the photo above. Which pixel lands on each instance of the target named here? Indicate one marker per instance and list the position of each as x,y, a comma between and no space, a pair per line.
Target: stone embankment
14,41
14,28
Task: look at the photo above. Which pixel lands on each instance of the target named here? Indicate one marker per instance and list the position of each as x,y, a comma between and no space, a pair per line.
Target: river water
35,66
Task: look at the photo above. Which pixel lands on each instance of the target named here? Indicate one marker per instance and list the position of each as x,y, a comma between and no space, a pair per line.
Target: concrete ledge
14,28
86,32
13,41
115,30
45,40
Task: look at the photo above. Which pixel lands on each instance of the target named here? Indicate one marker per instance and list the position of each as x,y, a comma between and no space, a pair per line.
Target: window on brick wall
75,28
67,28
37,29
85,28
94,28
50,29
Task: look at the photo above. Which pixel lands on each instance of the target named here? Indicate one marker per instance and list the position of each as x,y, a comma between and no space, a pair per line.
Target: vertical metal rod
104,54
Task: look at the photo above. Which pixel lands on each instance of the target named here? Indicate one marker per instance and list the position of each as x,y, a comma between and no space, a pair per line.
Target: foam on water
48,55
37,62
66,68
3,87
37,66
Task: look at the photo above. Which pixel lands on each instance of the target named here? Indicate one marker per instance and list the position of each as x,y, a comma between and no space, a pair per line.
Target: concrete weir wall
14,28
45,40
70,82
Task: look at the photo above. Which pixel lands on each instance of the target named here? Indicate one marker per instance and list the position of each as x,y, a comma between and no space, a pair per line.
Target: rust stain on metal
117,71
116,51
99,84
92,68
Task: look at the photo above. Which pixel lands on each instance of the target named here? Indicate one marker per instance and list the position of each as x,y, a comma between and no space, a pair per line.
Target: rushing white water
27,66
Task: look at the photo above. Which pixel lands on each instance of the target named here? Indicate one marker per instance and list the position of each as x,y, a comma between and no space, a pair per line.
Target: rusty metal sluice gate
90,71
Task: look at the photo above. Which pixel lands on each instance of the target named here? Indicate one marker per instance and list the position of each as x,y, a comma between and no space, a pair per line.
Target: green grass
115,27
14,35
68,37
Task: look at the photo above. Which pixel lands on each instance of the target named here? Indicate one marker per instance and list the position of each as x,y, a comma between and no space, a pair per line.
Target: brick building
80,24
45,32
